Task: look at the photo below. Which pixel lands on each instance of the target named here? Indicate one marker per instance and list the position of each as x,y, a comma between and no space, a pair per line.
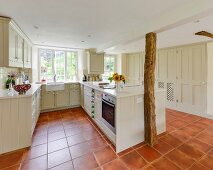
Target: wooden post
149,84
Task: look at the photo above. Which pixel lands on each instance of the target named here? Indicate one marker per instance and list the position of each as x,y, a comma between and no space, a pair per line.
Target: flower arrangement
117,78
10,79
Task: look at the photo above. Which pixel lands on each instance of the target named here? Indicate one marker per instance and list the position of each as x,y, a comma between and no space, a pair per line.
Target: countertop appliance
108,112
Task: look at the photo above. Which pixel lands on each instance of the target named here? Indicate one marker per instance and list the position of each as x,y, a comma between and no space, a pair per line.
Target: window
61,63
109,65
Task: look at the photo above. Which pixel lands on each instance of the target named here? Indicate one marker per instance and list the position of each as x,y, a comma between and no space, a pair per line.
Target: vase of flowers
117,79
10,79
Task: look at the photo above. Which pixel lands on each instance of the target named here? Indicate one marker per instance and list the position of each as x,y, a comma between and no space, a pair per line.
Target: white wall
35,65
210,78
82,63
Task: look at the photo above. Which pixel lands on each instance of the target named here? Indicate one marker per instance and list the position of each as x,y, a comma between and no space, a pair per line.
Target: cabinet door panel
48,100
62,98
74,97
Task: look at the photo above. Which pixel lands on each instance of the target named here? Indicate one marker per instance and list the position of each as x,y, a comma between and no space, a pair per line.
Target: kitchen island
128,113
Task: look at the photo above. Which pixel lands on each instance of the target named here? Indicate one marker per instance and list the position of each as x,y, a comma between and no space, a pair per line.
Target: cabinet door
62,98
87,104
96,63
12,47
20,44
74,97
48,100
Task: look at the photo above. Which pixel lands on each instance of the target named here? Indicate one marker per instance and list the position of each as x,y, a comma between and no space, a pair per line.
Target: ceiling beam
204,33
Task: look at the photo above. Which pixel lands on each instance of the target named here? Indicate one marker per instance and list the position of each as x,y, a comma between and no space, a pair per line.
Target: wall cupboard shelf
15,47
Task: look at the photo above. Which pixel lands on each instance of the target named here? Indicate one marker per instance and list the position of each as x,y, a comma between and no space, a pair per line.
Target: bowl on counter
22,88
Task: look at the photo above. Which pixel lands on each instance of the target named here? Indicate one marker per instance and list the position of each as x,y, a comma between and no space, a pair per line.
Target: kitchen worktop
4,93
125,92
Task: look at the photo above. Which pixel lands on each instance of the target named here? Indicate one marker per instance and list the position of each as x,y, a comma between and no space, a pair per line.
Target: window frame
105,76
53,63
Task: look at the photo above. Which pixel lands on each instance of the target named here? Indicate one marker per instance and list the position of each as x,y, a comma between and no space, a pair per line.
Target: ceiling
100,24
177,36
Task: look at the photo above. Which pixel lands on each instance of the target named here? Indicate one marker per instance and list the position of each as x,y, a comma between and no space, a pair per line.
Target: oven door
108,114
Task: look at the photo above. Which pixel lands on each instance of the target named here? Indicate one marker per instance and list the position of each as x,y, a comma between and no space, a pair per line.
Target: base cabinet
48,100
18,119
53,100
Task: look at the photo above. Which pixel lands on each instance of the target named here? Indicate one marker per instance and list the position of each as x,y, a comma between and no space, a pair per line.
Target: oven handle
112,105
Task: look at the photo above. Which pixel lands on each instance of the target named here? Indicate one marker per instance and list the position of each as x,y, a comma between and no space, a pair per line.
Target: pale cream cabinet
82,95
47,99
13,44
74,94
95,62
98,105
53,100
18,115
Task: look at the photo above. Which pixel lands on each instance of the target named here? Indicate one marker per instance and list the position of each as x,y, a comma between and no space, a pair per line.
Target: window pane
60,65
109,65
46,57
71,65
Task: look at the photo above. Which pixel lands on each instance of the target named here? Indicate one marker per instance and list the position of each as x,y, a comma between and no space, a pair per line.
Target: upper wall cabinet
15,47
95,62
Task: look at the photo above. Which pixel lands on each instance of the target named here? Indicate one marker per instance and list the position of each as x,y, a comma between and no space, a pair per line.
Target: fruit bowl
22,88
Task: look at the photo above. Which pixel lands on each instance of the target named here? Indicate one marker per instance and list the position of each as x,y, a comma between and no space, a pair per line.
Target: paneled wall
182,71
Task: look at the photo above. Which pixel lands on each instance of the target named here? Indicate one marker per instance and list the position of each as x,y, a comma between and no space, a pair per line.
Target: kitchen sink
55,86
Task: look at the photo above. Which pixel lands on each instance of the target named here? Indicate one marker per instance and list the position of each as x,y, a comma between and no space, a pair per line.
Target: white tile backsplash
5,70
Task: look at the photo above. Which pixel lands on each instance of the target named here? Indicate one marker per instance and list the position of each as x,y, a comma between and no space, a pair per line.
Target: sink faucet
54,78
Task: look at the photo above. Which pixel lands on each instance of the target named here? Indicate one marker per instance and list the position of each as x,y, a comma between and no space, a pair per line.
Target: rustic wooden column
149,96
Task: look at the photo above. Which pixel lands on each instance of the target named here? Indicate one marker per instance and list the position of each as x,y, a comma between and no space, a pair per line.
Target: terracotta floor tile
180,158
201,125
55,128
105,155
209,130
35,164
139,145
178,114
38,132
57,145
207,161
64,166
210,153
170,129
125,151
148,153
72,131
133,160
149,167
190,131
86,162
178,124
55,136
80,150
58,157
97,144
198,166
91,135
171,140
15,167
191,151
10,159
38,140
191,118
35,151
76,139
204,137
206,121
163,147
170,118
181,135
164,164
115,165
204,147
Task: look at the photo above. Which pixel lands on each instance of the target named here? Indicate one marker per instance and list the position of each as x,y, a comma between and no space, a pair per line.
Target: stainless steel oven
108,112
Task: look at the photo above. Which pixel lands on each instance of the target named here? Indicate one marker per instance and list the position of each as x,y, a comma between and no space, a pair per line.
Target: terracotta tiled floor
67,140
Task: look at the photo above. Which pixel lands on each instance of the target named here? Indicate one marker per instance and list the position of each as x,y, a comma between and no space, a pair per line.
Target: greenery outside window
109,66
61,63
